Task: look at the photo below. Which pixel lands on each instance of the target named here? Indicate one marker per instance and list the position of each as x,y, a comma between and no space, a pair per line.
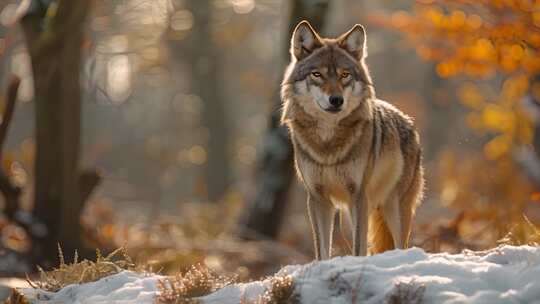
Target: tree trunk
54,43
265,211
199,49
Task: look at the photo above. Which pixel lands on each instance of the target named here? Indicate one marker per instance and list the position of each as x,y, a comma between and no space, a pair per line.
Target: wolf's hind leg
408,204
400,208
322,216
359,219
407,214
393,218
379,234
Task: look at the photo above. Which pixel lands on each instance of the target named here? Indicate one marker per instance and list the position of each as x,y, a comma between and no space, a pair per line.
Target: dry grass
16,298
84,271
522,233
406,293
281,291
185,288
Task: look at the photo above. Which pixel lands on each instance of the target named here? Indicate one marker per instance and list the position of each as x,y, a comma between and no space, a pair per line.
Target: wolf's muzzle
335,103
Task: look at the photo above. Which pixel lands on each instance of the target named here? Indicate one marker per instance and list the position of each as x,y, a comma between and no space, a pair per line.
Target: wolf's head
327,78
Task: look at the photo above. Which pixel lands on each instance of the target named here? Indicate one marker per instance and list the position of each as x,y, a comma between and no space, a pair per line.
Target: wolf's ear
354,42
304,40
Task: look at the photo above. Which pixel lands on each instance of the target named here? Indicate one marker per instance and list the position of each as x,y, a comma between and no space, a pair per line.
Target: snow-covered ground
503,275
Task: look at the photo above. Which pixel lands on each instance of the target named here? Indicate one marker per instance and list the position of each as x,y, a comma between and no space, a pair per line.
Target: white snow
123,288
505,274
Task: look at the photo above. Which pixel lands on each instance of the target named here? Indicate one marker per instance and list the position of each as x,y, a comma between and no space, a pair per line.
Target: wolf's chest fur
329,158
354,157
335,183
328,142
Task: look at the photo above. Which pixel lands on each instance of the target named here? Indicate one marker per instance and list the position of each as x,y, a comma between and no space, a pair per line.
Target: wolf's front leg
359,219
321,215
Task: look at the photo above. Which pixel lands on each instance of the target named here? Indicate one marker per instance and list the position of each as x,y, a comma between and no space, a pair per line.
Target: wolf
355,154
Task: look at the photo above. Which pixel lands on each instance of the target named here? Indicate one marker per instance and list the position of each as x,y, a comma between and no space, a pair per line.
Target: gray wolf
356,155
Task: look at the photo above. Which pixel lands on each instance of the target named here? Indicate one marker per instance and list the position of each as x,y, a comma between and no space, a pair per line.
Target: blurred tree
264,213
54,32
200,51
494,48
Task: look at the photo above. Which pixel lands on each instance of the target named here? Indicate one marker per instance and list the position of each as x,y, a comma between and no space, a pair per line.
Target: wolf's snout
335,103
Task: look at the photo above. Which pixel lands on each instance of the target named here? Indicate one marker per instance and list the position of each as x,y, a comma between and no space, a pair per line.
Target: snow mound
505,274
123,288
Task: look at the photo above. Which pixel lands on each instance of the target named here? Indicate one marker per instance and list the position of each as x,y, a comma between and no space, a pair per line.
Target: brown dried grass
185,288
16,298
409,293
281,291
523,232
84,271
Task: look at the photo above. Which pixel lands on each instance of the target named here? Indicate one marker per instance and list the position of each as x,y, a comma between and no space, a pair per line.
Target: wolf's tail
379,234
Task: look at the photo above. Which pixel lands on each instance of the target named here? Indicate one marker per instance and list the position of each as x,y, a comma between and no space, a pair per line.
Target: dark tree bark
264,213
54,37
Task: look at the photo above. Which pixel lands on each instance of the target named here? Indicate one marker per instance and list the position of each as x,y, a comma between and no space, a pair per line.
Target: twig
88,180
11,98
11,192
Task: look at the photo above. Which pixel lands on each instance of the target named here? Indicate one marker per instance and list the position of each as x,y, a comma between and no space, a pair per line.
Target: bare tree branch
65,15
10,192
11,98
88,180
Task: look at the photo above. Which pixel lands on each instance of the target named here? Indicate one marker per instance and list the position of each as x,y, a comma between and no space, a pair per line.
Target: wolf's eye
345,75
316,74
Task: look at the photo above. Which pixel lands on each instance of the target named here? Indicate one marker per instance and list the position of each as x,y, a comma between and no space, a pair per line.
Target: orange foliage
493,46
491,196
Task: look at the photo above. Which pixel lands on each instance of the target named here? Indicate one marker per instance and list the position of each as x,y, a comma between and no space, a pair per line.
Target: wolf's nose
336,101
